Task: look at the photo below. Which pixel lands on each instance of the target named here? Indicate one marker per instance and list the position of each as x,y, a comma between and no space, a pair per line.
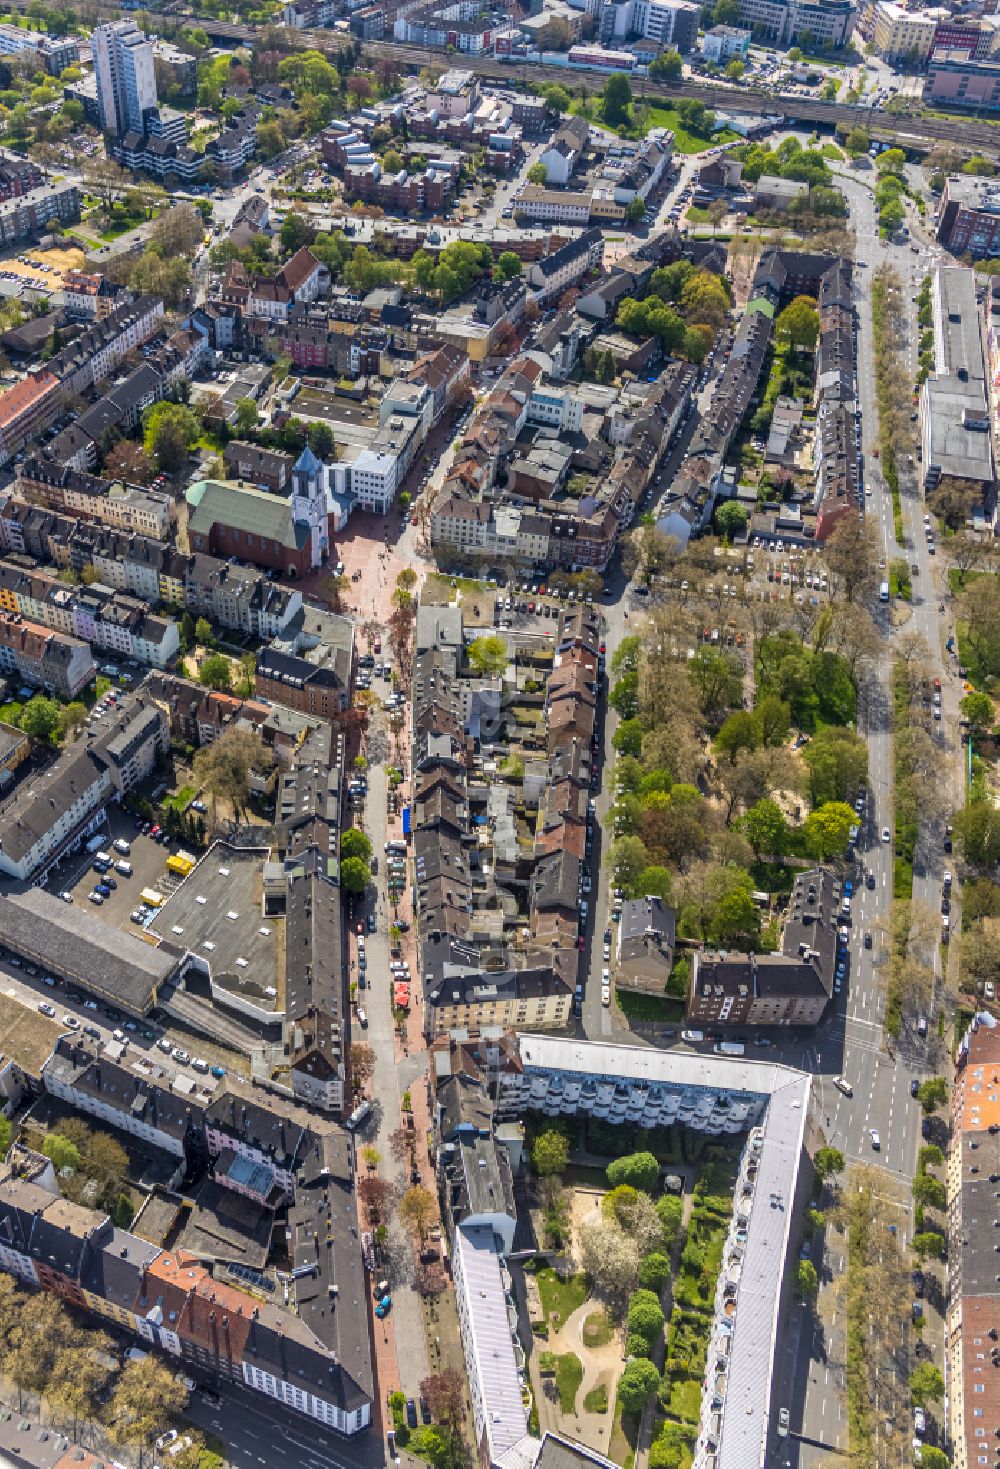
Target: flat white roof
644,1063
478,1277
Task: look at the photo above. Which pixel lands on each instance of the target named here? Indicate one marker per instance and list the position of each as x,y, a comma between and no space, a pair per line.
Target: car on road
71,1022
875,1139
605,995
384,1307
870,882
914,1086
918,1282
868,940
46,1009
919,1422
411,1413
783,1422
886,836
843,1085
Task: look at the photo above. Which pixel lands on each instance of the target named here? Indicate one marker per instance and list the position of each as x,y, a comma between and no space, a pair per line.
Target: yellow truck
152,898
182,863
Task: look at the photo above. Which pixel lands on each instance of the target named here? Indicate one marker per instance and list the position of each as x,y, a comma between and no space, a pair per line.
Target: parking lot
148,859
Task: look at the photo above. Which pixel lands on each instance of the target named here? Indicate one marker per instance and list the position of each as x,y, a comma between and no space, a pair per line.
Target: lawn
624,1437
26,1036
569,1375
596,1400
560,1298
685,1400
832,152
648,1007
209,443
439,590
697,215
685,142
597,1329
180,800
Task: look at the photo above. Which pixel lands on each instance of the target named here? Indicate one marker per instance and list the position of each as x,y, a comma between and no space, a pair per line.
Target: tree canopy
640,1170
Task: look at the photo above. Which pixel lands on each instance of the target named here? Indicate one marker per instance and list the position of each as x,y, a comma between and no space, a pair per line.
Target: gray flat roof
746,1409
958,345
73,944
952,446
216,914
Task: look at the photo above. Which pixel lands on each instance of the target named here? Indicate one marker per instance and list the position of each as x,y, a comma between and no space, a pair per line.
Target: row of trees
48,1355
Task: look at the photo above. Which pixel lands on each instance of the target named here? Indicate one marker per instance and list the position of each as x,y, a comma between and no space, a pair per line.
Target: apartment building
126,79
968,217
973,1402
28,216
308,666
722,44
305,1354
25,409
564,267
641,1087
54,53
265,468
61,807
670,23
97,614
44,659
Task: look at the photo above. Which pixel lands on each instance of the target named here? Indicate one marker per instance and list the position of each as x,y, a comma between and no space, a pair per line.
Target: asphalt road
850,1041
257,1430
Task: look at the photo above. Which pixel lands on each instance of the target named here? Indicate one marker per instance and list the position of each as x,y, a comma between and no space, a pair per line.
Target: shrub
654,1270
636,1384
640,1170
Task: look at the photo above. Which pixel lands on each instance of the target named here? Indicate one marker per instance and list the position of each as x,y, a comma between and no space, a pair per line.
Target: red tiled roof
24,395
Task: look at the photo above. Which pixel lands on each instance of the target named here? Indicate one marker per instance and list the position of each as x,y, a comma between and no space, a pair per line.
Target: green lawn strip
685,1400
648,1007
624,1437
685,142
569,1375
596,1400
560,1298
